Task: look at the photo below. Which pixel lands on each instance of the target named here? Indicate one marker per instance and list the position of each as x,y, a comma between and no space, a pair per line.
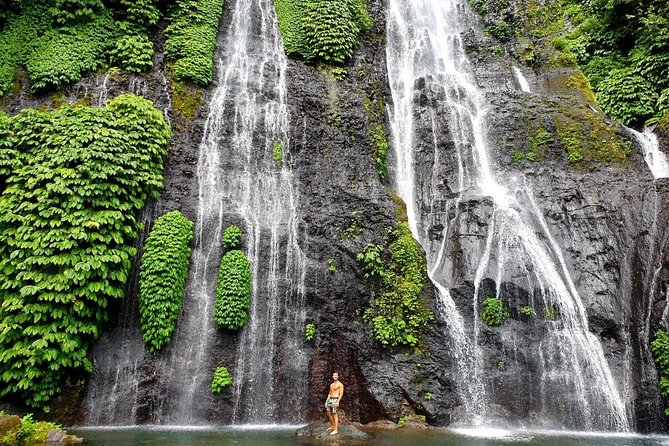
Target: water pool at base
285,436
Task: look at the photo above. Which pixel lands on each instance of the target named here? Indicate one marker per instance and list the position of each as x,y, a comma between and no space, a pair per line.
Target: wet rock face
609,221
344,206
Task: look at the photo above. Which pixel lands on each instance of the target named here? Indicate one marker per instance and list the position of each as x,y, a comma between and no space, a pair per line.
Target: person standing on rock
332,403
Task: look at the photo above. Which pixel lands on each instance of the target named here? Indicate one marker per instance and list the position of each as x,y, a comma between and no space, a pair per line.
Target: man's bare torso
335,390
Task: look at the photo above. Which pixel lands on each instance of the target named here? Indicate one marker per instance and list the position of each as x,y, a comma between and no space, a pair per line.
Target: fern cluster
494,312
660,349
232,238
625,60
62,56
191,38
326,30
74,180
233,293
398,313
57,41
221,379
164,270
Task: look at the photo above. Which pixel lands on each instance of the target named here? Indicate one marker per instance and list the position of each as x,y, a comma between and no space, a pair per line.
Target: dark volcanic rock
317,433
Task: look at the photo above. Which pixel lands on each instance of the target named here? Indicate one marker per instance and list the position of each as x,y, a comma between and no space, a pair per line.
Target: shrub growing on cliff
164,270
494,312
220,380
398,312
75,179
191,38
62,55
660,349
233,293
232,237
322,29
309,332
633,54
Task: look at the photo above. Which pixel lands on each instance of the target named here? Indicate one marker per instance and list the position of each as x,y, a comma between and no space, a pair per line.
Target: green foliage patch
233,293
30,432
326,30
623,48
500,30
494,312
398,312
75,179
232,238
309,332
585,136
162,280
660,349
191,38
59,40
221,379
62,55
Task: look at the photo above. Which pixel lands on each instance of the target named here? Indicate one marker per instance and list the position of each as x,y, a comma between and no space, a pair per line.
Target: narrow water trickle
522,80
655,159
245,178
431,79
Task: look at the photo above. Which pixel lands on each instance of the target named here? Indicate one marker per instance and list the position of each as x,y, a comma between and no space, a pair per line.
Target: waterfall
655,158
240,181
113,393
522,81
431,79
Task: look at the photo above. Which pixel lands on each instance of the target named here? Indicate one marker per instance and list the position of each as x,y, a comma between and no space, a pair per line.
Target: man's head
335,376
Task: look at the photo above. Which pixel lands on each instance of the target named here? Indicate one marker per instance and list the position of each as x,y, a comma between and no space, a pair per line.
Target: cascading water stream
522,80
427,64
655,159
240,181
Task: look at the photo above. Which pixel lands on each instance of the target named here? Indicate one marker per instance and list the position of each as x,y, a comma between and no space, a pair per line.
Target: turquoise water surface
285,436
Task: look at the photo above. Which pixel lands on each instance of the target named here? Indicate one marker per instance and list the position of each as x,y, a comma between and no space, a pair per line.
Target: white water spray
522,81
655,158
426,56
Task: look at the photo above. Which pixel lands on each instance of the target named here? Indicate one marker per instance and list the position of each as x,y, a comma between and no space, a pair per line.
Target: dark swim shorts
331,405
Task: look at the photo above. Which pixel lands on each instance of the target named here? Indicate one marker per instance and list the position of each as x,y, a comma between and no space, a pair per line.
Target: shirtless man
332,403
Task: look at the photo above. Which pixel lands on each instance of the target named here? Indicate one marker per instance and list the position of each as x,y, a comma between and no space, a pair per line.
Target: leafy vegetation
309,332
75,178
30,432
623,48
494,312
133,53
326,30
221,379
527,311
164,270
59,40
398,312
277,153
232,238
191,38
660,349
500,30
233,293
62,55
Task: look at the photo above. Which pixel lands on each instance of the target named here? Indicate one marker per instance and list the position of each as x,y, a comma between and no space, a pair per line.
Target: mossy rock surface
9,423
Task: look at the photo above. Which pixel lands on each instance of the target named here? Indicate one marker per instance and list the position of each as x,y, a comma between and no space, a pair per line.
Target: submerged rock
317,433
56,437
